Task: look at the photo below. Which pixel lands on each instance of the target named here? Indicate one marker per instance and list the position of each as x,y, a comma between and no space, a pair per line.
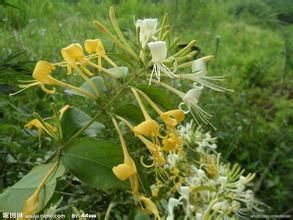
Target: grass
252,44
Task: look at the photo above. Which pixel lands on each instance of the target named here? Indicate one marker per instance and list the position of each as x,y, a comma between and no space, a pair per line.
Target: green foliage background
252,43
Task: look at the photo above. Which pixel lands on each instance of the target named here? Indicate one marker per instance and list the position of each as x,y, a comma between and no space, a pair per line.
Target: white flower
172,160
198,216
172,203
147,30
159,54
199,75
190,99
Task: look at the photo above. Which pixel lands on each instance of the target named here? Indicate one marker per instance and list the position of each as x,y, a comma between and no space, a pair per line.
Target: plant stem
103,108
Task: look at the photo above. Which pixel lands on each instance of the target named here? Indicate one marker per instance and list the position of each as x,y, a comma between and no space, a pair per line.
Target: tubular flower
170,118
41,128
153,148
173,117
149,127
74,56
31,204
159,54
171,142
147,29
199,75
190,101
150,207
42,76
96,46
127,170
172,203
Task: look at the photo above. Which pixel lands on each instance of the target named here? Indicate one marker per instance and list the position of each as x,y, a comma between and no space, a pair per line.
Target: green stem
104,108
56,116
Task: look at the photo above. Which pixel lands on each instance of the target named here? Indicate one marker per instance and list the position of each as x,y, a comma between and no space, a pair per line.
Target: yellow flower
42,76
153,148
148,127
96,46
171,142
127,170
155,151
173,117
170,118
190,102
150,207
32,203
73,54
35,123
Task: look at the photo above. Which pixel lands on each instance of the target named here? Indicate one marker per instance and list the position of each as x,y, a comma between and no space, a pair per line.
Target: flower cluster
190,178
208,187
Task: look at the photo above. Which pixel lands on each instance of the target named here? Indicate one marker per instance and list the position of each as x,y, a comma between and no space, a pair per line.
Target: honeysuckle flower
172,203
147,29
199,75
159,54
149,127
153,147
31,204
74,56
96,46
127,170
42,76
150,207
196,137
172,160
171,118
190,101
41,128
171,141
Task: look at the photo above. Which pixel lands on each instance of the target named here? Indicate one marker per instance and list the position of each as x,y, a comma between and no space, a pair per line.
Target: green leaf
13,198
92,160
141,216
158,96
73,119
118,72
145,184
99,83
130,112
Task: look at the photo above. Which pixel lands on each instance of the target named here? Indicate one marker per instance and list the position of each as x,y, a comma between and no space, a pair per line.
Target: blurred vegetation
252,43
